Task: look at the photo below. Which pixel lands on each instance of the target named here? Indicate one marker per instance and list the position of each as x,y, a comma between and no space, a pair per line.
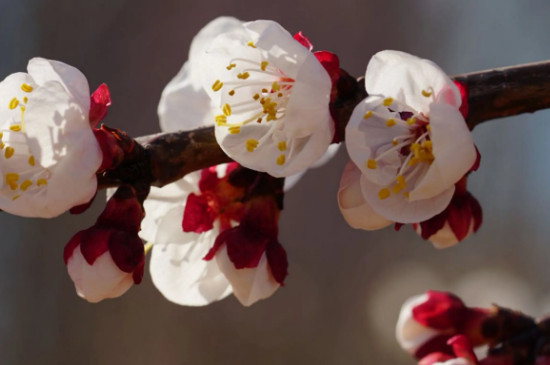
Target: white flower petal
249,285
398,208
99,281
409,333
177,268
354,209
403,77
453,149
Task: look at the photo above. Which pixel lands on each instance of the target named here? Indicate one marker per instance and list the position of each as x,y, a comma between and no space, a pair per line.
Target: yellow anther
279,95
8,152
25,185
372,164
25,99
31,160
1,135
427,145
15,127
426,94
234,130
231,92
217,85
367,115
414,147
384,193
243,75
406,194
2,145
220,119
390,122
11,180
26,88
259,120
411,121
226,109
400,184
400,180
394,142
280,160
256,96
251,44
275,86
281,146
15,197
264,90
387,101
428,128
263,65
230,66
13,103
413,161
251,144
41,182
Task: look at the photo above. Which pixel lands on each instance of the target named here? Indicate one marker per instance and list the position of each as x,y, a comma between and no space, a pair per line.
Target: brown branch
497,93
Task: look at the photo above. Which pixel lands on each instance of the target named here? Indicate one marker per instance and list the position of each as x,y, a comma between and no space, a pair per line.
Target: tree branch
167,157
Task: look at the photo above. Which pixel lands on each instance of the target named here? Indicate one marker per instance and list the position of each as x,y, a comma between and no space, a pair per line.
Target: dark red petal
462,88
477,213
330,62
137,275
126,250
303,40
244,250
79,209
99,101
209,179
220,240
278,263
94,243
397,226
198,217
110,149
477,162
433,225
123,211
441,311
460,216
73,243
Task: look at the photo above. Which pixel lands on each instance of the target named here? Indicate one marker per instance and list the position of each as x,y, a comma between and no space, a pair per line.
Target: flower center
254,92
21,175
411,143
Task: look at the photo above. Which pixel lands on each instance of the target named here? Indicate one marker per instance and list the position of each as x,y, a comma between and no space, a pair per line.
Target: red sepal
463,90
94,243
477,162
209,179
123,211
277,260
440,311
198,216
330,62
112,153
99,101
126,250
303,40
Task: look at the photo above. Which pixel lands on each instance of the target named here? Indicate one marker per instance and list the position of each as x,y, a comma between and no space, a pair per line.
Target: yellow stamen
426,94
15,197
9,152
231,92
280,160
384,194
279,95
226,109
263,65
387,101
25,99
275,86
394,142
390,122
251,44
264,90
220,119
281,146
11,179
234,130
372,164
411,121
400,180
428,128
217,85
231,65
25,185
367,115
15,127
31,160
256,96
406,194
13,103
41,182
26,88
243,75
147,247
251,144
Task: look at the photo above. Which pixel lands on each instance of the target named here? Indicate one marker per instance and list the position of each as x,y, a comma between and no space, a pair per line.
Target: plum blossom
105,260
271,96
408,139
49,155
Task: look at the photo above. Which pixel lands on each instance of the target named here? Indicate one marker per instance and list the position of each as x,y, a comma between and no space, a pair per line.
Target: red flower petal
278,263
99,101
198,216
126,250
464,97
94,243
244,250
441,311
209,179
330,62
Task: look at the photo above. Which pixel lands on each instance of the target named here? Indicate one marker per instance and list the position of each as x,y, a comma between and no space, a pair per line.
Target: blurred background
342,297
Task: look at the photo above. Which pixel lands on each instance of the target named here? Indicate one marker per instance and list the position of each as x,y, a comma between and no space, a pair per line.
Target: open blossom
198,217
105,260
48,153
408,139
271,96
